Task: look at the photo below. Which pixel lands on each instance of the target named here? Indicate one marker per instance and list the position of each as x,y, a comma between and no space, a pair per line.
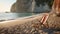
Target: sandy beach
20,20
24,26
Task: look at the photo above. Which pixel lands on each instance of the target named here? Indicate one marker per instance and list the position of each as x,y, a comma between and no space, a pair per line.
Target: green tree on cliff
49,2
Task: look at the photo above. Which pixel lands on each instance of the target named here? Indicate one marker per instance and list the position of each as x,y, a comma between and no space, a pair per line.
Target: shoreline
20,20
25,24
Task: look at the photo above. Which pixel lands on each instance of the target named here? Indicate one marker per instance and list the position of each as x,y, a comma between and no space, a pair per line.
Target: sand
24,26
20,21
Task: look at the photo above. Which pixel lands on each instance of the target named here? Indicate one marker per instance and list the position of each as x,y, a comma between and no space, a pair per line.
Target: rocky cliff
22,6
31,6
13,8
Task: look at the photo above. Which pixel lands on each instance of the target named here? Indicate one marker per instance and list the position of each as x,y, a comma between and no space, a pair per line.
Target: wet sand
20,21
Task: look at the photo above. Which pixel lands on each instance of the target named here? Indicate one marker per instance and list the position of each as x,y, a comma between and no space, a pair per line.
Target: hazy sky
5,5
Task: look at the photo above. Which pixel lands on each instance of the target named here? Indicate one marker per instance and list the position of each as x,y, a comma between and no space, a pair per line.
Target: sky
5,5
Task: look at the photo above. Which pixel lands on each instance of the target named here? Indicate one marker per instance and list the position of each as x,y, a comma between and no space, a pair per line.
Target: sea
12,16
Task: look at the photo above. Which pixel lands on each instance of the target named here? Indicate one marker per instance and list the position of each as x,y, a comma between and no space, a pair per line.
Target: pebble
25,28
